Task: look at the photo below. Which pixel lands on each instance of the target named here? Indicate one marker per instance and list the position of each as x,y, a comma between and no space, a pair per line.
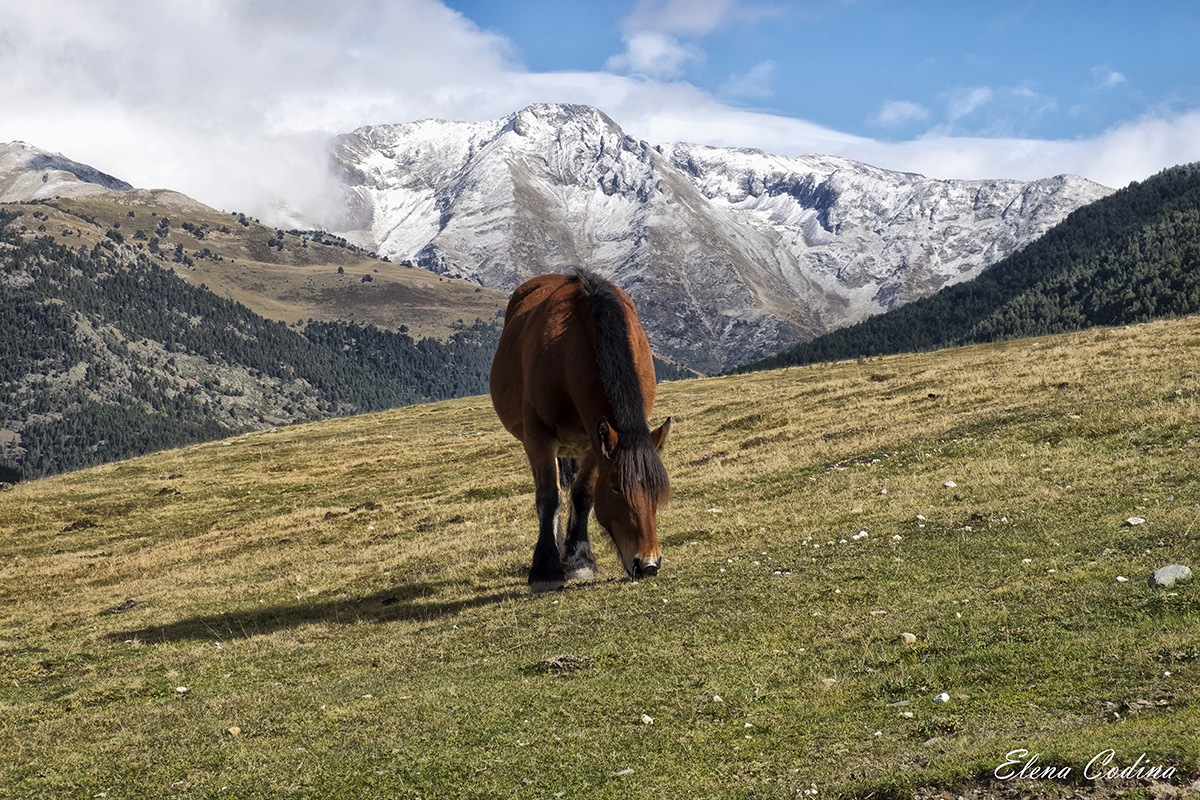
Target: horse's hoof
542,587
582,574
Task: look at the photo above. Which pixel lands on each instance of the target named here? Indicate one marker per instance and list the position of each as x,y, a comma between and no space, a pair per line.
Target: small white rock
1121,579
908,638
950,484
1135,520
942,698
647,719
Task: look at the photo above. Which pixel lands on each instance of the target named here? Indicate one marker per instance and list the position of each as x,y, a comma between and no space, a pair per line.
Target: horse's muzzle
646,569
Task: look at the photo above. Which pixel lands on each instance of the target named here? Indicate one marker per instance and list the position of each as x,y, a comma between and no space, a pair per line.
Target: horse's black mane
637,461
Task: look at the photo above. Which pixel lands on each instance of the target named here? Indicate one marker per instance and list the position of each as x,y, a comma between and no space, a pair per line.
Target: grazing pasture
880,577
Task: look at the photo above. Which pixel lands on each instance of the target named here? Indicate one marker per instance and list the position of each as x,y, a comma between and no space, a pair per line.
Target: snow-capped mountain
30,173
729,254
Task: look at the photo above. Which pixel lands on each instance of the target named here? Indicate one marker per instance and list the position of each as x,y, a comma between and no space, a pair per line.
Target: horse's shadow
409,602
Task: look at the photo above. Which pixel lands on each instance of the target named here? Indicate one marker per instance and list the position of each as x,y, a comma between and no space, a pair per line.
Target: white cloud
225,100
693,17
234,102
964,102
1106,78
898,113
1128,152
754,83
657,45
655,55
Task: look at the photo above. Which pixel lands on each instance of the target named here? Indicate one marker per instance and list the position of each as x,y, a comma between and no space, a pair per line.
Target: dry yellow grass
350,596
299,282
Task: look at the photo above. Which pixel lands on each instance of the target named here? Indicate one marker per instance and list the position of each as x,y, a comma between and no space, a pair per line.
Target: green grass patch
341,609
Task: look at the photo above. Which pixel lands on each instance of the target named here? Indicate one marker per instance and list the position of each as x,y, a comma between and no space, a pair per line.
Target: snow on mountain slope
730,254
30,173
554,187
876,238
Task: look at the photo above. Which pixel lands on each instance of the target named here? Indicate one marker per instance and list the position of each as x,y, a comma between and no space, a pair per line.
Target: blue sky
1054,69
234,102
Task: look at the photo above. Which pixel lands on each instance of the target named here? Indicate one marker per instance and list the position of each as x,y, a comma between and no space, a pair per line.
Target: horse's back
545,368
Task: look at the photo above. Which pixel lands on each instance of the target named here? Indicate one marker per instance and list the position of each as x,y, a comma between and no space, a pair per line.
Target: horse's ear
608,438
660,434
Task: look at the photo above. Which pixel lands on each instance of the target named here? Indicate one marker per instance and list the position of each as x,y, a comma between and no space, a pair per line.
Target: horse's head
631,482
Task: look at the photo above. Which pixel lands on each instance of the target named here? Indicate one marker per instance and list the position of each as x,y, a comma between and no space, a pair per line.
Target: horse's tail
567,468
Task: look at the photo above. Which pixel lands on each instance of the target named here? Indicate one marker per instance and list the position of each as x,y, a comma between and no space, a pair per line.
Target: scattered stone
1135,521
950,484
647,719
564,662
942,698
235,731
1168,575
908,638
128,605
1121,579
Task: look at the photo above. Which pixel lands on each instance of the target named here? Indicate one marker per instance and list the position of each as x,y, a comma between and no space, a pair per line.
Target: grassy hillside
340,609
105,355
1130,257
287,277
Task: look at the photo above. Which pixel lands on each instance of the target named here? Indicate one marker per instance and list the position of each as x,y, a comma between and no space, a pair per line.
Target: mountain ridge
1130,257
733,253
106,353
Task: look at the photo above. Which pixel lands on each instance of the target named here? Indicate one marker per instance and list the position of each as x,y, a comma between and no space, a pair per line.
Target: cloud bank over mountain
235,103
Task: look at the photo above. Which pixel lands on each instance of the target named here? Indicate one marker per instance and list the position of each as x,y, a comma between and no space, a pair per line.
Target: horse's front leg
579,562
546,574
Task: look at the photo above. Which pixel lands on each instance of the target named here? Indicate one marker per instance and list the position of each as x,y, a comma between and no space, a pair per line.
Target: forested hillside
105,355
1130,257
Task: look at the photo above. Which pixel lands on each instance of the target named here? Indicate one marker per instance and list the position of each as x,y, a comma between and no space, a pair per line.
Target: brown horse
573,377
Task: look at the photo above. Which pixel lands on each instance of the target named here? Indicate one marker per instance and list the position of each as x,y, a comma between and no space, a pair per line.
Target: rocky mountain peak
30,173
730,253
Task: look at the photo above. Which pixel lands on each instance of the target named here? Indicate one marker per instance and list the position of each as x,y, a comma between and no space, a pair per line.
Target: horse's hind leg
580,564
546,574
